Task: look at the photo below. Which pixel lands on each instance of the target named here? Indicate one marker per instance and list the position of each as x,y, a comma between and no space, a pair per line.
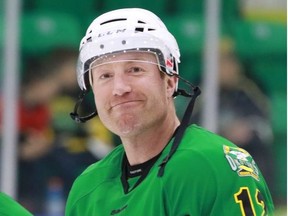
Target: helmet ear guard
75,116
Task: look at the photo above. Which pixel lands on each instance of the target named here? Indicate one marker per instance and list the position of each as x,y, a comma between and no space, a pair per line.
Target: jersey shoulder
203,139
110,160
205,158
200,146
199,157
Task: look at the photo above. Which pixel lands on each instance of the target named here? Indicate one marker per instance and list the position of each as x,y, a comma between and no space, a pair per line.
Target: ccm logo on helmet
111,32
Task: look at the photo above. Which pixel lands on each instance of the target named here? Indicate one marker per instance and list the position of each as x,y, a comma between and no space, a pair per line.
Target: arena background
35,33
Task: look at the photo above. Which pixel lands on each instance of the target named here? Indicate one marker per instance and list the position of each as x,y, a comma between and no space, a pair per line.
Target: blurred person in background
244,111
36,135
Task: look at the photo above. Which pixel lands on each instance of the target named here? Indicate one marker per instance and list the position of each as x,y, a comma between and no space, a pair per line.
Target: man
163,167
9,207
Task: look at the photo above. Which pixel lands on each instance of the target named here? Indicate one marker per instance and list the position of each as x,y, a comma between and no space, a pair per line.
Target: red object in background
36,117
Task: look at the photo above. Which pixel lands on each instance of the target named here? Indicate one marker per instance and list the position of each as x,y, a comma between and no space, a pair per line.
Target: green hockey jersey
207,175
9,207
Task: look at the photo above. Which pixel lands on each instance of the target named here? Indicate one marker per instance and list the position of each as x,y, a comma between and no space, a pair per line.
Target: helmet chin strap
75,116
183,125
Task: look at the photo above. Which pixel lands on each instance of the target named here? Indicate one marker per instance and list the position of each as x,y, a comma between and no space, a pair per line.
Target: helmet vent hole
139,21
139,29
123,42
101,46
150,29
113,20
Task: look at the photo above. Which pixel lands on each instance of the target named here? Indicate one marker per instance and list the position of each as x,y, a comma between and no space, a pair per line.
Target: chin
127,126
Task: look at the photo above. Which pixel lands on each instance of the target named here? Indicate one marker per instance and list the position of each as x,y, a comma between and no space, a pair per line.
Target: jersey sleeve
245,185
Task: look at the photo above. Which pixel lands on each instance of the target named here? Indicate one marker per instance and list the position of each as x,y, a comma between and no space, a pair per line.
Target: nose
121,85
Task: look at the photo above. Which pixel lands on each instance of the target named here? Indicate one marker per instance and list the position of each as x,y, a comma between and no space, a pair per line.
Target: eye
135,69
105,76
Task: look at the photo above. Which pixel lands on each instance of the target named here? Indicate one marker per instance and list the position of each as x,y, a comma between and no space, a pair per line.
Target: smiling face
131,94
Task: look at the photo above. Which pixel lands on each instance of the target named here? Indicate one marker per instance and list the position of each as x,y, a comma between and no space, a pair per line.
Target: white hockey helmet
124,30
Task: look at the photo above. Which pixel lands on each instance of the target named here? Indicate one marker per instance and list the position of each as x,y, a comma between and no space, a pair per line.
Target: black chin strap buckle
195,89
75,116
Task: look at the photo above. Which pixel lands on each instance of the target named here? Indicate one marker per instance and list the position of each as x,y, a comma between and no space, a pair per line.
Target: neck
149,143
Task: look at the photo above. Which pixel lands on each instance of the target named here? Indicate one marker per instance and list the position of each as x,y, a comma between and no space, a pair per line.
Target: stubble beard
123,125
127,124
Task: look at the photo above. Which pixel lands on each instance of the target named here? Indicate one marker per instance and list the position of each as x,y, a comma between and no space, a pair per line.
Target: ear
171,85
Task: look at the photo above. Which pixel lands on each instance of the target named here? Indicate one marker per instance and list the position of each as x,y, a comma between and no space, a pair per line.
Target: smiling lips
125,103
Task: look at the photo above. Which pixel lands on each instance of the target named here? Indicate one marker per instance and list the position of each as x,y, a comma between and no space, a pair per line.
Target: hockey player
129,60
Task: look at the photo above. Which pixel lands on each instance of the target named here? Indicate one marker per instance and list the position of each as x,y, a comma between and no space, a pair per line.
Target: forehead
143,56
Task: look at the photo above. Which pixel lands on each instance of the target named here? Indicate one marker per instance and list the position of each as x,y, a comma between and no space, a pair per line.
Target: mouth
125,104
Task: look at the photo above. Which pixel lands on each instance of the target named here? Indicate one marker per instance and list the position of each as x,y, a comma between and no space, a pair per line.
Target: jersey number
244,199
